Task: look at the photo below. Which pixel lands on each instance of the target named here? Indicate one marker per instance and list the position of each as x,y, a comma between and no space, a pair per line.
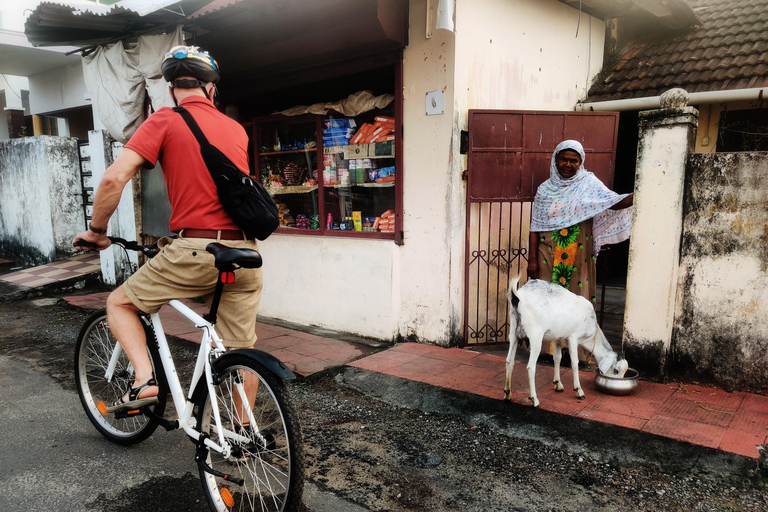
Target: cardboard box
355,151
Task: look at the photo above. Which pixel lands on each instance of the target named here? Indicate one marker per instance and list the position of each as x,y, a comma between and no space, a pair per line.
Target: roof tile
729,49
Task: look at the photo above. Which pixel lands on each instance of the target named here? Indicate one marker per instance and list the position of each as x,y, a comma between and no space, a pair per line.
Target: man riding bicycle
183,268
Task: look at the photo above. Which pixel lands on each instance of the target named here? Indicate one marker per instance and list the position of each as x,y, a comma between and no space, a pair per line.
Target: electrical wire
578,24
723,128
11,88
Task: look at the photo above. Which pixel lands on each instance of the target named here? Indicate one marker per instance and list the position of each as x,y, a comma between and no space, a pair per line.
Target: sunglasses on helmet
182,52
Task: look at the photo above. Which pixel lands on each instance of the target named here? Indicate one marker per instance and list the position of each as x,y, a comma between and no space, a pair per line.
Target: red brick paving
731,422
303,353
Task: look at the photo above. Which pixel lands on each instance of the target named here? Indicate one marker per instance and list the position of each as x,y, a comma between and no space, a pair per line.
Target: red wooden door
508,158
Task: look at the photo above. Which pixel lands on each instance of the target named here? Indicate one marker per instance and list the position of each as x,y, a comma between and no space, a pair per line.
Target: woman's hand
624,203
533,255
533,268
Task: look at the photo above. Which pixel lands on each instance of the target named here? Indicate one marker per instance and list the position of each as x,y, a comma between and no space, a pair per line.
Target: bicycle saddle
226,257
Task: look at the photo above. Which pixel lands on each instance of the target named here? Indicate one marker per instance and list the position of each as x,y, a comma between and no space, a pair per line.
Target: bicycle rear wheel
93,351
271,460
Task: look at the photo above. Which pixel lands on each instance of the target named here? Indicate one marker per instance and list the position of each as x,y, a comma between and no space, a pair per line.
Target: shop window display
287,161
331,175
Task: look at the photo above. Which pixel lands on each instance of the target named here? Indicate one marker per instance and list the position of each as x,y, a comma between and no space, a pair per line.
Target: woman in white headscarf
573,216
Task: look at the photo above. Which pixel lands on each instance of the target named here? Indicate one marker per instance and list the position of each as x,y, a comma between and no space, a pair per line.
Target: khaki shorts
184,269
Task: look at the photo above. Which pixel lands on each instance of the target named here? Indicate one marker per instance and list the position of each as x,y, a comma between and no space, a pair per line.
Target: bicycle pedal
127,414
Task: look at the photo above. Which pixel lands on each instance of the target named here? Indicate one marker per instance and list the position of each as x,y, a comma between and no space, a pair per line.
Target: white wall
337,283
525,54
666,138
58,89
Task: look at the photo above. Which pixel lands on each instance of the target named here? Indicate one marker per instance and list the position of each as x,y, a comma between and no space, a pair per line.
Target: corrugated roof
727,51
77,24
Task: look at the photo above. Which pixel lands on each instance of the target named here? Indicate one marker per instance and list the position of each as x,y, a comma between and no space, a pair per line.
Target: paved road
52,459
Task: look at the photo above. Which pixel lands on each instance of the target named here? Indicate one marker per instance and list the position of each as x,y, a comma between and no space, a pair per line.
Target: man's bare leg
126,326
251,388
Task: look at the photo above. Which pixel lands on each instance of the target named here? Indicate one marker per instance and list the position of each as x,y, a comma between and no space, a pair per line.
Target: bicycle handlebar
148,250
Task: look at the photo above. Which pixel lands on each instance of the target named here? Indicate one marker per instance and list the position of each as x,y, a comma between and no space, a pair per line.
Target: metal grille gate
86,180
508,158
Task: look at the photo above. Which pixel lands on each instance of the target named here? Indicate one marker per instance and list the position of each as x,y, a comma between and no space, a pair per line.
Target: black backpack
243,198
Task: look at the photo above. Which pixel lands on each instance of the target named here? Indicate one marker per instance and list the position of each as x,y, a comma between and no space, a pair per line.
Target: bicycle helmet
189,61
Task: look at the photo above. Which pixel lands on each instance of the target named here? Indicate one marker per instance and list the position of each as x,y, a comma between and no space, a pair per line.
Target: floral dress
566,257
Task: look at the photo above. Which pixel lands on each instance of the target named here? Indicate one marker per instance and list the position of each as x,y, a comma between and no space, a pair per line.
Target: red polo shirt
191,190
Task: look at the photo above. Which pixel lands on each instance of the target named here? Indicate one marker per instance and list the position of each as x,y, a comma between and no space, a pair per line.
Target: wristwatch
98,231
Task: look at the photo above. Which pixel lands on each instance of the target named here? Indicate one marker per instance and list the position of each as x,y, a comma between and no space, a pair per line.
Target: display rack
307,198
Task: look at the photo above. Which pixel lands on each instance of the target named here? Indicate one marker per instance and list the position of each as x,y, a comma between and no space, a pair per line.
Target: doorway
508,158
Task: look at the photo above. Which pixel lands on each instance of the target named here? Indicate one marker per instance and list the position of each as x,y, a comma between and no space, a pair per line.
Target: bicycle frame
211,345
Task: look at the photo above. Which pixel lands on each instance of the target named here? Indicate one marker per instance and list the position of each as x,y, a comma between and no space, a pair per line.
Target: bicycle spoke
94,350
267,463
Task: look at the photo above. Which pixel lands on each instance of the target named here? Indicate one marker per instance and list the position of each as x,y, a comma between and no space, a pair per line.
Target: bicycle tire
271,466
93,351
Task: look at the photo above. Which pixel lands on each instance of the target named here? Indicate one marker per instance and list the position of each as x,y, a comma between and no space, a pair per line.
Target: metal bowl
625,385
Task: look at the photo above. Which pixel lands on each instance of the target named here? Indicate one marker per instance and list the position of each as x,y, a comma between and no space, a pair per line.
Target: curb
608,443
16,293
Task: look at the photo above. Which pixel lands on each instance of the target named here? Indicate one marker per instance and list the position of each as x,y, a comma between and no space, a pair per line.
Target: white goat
542,311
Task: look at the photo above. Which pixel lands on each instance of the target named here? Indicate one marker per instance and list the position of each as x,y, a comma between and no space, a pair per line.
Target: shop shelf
368,185
287,152
293,189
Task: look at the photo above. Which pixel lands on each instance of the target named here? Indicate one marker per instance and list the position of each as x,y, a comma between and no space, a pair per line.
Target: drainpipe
694,98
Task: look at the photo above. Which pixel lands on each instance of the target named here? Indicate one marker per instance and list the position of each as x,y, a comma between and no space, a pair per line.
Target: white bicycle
237,409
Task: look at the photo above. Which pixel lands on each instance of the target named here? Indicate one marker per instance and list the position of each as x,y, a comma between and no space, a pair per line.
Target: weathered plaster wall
40,206
721,335
429,281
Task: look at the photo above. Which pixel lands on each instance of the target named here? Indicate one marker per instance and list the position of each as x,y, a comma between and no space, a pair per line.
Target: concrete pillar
666,137
123,223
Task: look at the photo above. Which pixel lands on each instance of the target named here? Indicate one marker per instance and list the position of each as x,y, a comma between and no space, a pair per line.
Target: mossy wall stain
720,334
40,198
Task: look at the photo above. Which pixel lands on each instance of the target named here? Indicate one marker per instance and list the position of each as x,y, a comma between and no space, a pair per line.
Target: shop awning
282,43
260,44
86,25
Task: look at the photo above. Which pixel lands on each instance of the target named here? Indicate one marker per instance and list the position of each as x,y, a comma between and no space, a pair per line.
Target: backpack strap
193,126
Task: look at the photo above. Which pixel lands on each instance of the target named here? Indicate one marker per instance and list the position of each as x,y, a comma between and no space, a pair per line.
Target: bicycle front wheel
93,352
266,444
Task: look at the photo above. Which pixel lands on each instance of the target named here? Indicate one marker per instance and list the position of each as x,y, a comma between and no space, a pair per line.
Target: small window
743,130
